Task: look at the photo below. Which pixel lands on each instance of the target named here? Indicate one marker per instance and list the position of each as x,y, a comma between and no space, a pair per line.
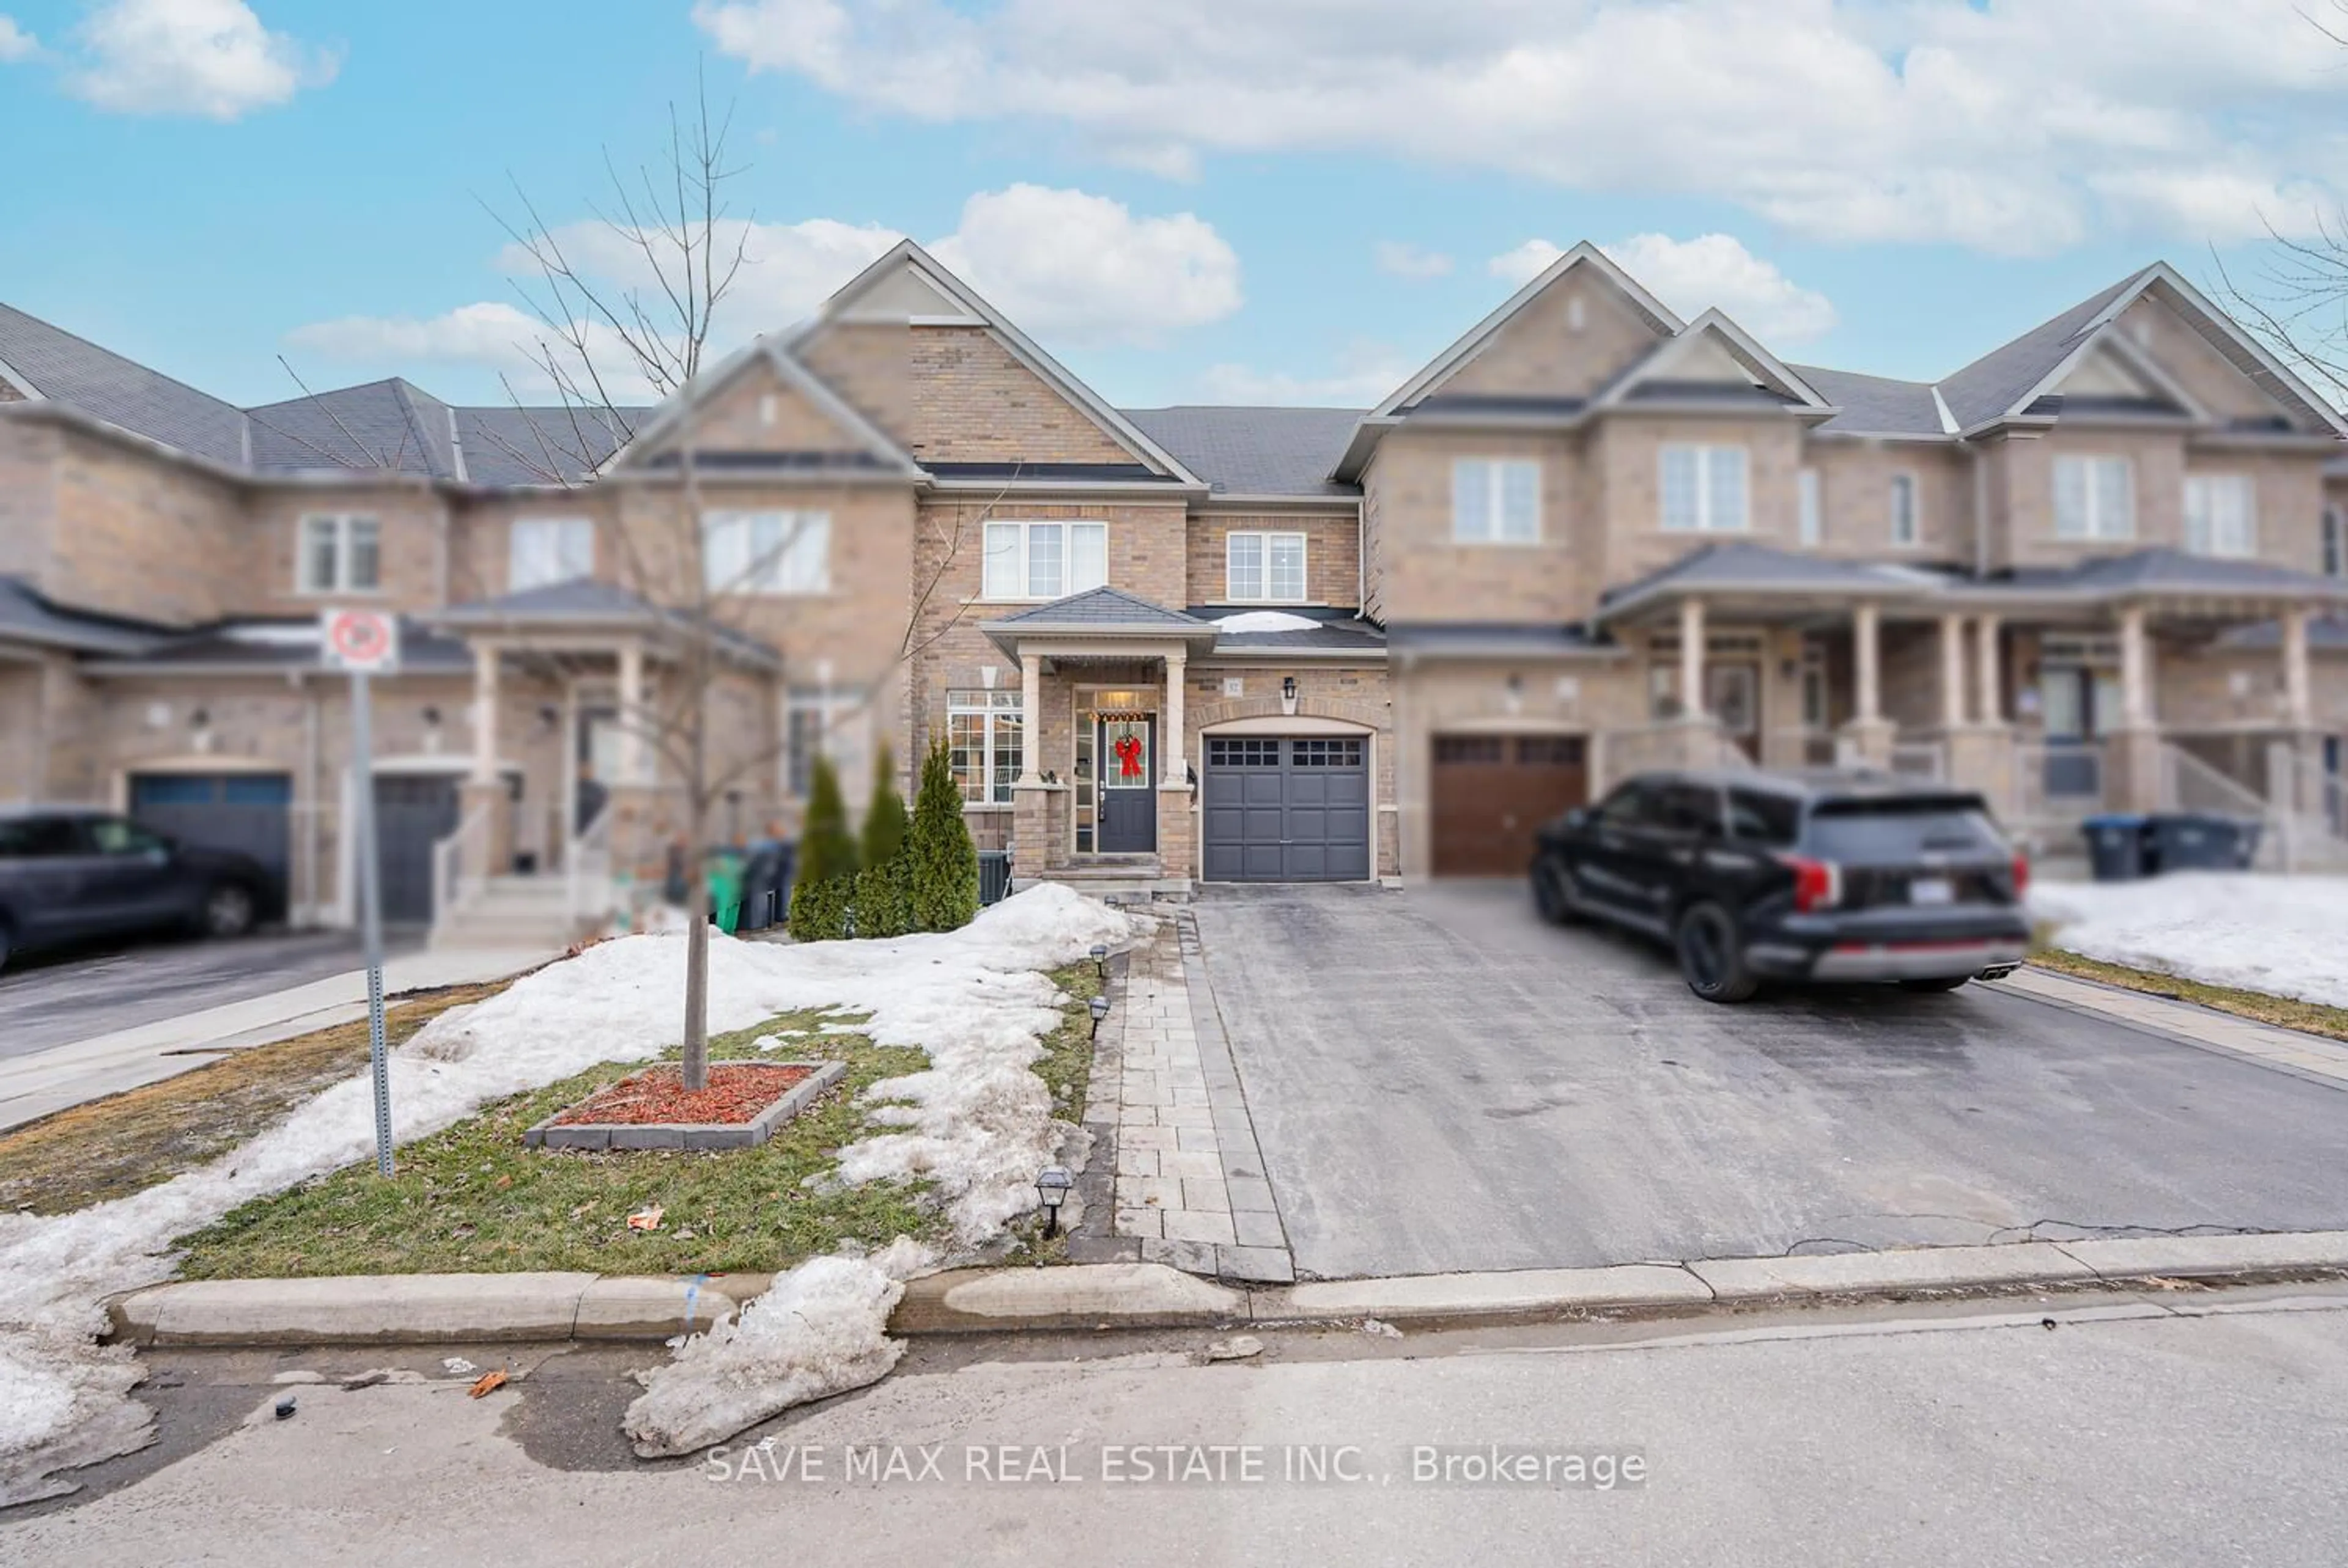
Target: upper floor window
1045,560
2220,515
542,550
341,553
1264,566
1905,529
767,552
2336,543
1813,519
2094,498
1495,500
1703,489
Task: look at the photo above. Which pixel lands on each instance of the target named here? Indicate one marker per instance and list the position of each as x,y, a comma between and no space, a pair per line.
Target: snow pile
819,1331
976,998
2285,935
1261,621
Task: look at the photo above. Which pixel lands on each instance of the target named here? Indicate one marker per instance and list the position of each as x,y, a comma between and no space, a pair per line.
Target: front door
1126,753
1732,694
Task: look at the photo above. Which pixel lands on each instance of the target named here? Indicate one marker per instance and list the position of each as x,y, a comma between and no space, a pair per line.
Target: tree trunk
697,997
696,713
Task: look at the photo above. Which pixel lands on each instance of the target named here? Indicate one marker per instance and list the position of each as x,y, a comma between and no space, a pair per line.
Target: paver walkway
1190,1187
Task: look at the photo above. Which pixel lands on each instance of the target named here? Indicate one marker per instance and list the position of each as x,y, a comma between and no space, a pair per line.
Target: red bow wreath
1129,756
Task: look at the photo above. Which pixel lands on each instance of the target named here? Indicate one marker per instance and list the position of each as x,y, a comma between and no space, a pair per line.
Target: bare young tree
601,341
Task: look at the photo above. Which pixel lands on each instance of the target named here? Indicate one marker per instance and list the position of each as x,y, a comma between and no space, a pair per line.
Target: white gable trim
2198,308
1763,366
25,389
978,313
1477,337
774,352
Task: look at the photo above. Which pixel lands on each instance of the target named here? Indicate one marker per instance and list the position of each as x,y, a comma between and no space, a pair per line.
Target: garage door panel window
986,741
1325,754
1265,569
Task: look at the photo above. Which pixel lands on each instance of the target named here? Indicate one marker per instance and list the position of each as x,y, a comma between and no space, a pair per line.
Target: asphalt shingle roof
382,424
26,617
1995,383
1873,405
511,445
1105,607
1255,451
590,599
80,375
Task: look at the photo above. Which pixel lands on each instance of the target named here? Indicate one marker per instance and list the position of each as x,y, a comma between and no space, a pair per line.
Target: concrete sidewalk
35,1086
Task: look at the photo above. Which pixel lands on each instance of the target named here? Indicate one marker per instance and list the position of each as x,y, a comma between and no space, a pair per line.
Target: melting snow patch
1263,620
2286,936
980,1125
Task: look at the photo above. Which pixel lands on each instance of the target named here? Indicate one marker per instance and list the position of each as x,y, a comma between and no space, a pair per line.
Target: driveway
79,996
1439,1081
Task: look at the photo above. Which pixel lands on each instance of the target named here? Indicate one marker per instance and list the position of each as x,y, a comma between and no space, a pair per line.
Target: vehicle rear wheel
1552,894
1938,983
1712,955
6,944
228,910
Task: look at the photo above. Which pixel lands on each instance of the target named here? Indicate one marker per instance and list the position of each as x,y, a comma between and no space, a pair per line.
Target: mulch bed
737,1092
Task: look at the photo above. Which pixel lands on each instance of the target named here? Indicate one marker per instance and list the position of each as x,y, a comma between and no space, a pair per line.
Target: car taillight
2021,875
1818,884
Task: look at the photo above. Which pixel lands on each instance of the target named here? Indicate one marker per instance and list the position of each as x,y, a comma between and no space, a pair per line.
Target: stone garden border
609,1136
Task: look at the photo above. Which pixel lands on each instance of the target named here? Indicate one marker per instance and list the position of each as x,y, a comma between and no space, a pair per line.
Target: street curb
461,1308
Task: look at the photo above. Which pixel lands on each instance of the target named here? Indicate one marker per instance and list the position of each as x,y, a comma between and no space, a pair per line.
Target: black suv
69,875
1754,877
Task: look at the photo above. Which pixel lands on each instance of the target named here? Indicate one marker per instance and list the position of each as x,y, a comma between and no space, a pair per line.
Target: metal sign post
366,643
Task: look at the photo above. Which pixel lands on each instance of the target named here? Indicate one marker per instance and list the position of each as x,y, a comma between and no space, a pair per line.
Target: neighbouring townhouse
2104,565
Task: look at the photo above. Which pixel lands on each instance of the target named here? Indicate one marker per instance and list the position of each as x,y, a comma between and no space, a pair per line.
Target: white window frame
1266,542
346,527
1487,520
2207,533
766,550
1022,558
568,541
992,706
2109,503
827,706
1711,462
2332,543
1810,506
1908,521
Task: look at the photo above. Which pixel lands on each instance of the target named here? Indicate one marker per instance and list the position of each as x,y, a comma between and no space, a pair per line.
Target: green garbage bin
725,888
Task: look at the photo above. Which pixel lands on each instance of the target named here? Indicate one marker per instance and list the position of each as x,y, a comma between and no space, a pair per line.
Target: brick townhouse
2102,565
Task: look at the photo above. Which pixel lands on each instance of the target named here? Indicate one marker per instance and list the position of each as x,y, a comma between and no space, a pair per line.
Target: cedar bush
883,899
885,821
943,875
822,896
820,910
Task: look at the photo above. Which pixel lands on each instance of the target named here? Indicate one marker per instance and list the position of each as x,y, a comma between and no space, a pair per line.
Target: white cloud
1523,263
1405,259
1692,276
2022,125
207,57
15,44
1084,270
1070,267
1366,373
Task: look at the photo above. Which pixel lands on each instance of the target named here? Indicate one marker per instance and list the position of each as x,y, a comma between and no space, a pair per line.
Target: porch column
1866,674
1692,652
2136,671
632,713
1987,630
2298,703
1171,746
1952,671
485,713
1031,718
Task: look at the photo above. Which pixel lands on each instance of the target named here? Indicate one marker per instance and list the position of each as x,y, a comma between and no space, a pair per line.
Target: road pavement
1954,1433
1439,1081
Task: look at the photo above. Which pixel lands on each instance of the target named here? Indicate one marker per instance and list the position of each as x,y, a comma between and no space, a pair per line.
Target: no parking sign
362,641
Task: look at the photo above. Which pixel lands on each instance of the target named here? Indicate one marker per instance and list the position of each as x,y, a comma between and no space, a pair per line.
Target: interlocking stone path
1190,1186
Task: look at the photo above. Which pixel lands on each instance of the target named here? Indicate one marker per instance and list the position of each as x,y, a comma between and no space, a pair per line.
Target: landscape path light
1100,1011
1052,1184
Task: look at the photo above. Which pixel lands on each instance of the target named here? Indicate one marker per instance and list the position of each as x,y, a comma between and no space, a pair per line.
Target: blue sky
1197,201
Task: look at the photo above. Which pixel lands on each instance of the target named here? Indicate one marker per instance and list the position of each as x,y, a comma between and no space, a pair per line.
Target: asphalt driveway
1439,1081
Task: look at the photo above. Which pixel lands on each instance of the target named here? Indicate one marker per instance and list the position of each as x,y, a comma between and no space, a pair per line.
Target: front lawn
473,1199
2283,1012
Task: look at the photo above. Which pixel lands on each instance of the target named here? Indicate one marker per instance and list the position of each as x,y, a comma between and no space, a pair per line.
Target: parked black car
70,875
1756,877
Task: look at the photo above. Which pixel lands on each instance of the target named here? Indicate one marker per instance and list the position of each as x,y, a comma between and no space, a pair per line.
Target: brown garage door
1492,792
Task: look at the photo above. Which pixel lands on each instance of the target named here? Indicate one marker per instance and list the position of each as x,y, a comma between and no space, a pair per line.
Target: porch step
516,911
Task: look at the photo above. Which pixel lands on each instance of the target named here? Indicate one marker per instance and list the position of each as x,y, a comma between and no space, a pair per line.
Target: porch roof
27,615
2158,574
584,604
1739,572
1100,615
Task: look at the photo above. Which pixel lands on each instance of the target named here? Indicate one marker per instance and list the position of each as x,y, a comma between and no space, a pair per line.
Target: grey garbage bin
760,872
2198,841
2116,845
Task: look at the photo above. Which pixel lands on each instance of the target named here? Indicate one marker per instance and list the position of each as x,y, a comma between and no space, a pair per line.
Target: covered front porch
1104,790
607,676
